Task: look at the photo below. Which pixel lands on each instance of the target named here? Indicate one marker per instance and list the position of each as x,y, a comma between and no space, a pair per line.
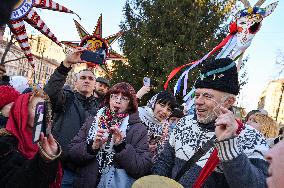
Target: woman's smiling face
162,111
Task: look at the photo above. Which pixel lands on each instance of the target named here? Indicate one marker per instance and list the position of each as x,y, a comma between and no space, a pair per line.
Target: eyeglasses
117,97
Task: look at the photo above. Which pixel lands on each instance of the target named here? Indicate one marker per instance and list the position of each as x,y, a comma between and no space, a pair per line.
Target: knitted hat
220,74
7,95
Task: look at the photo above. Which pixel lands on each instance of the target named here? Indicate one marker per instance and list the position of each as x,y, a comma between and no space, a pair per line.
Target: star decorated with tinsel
95,41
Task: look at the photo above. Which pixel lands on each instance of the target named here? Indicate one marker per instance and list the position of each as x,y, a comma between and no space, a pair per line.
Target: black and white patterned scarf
153,125
106,152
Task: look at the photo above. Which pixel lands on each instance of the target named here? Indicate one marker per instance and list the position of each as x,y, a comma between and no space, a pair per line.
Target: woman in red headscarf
23,163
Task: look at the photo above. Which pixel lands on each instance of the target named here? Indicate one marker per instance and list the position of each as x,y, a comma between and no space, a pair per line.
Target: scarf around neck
17,125
104,120
154,126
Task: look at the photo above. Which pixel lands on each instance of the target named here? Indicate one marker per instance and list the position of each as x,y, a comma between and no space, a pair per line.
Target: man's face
101,89
208,103
275,157
85,83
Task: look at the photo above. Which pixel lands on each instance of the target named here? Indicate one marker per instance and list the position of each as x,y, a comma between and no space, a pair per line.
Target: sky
262,53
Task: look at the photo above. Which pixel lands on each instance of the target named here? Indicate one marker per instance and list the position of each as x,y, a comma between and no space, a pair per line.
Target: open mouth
200,111
162,116
116,109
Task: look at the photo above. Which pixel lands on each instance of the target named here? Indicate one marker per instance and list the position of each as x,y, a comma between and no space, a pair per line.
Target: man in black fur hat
234,154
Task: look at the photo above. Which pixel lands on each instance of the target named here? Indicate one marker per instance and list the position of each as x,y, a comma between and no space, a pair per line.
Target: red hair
126,90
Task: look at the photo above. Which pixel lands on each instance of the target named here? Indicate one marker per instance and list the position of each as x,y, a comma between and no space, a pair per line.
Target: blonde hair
269,127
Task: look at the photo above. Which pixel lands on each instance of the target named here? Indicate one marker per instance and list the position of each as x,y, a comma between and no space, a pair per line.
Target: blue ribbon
216,71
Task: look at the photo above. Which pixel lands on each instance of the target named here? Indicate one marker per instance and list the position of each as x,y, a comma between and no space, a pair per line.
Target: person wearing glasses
114,137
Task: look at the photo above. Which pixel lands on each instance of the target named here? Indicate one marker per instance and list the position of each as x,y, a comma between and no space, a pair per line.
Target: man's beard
99,93
211,116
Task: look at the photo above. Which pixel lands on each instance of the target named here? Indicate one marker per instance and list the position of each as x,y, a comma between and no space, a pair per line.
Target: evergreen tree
160,35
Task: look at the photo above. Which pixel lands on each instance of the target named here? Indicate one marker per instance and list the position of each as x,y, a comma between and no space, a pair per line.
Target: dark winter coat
134,157
17,171
71,110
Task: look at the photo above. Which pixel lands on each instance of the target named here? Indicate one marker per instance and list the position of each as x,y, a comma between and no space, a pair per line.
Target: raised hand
100,139
74,57
226,125
117,135
49,145
153,148
144,90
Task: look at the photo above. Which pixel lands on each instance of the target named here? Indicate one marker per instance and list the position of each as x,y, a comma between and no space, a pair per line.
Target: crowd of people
98,135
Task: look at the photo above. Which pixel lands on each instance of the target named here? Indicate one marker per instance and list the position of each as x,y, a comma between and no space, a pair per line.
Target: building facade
43,46
17,65
47,56
272,100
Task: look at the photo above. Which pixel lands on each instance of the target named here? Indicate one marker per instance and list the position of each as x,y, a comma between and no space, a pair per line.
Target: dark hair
177,113
251,113
6,8
167,98
127,90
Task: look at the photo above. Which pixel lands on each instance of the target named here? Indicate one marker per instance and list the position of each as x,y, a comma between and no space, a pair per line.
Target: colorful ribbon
194,64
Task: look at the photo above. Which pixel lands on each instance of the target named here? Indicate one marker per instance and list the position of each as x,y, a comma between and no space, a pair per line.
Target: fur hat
7,95
219,74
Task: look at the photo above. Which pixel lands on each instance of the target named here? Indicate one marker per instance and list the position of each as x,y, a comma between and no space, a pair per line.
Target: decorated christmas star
95,42
24,12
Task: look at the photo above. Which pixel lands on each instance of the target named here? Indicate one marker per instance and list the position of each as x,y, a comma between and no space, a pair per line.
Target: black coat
16,171
71,110
135,158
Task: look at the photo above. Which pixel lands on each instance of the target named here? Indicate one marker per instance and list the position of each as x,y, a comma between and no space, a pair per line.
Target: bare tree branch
10,43
15,59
